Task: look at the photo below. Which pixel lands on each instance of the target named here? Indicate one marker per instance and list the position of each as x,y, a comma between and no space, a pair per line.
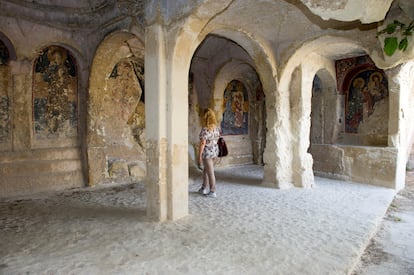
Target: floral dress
211,137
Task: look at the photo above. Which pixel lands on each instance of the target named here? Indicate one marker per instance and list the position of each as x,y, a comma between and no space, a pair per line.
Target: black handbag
223,151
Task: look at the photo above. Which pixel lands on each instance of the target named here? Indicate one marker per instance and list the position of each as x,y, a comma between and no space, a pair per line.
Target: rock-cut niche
55,98
5,81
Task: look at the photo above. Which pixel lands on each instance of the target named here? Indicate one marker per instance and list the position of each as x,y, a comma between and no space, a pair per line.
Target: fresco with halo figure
236,107
364,87
55,97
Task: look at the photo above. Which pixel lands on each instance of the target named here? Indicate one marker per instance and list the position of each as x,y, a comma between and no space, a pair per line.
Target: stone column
399,81
277,155
300,102
166,113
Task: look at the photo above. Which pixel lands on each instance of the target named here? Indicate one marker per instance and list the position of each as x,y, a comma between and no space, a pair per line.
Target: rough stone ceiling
367,11
407,6
59,4
74,13
213,45
342,51
283,23
274,15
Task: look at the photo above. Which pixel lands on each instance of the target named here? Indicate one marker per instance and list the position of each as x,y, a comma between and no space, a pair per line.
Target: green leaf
396,22
391,28
411,26
390,45
403,44
407,32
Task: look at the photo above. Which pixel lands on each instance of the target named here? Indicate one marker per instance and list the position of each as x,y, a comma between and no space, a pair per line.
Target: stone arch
116,111
296,81
9,46
320,52
245,73
274,166
167,67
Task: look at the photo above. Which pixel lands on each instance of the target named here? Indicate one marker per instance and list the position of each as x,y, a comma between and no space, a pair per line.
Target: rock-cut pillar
166,131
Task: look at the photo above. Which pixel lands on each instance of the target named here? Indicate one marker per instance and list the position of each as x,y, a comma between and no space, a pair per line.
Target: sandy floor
391,251
247,229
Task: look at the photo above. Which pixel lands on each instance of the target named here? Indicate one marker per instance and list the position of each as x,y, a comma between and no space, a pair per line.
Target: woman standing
208,151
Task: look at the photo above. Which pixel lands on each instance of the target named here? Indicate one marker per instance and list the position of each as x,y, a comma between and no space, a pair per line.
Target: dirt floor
247,229
315,231
391,251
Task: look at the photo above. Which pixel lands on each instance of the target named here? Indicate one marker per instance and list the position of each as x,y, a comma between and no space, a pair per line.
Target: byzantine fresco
55,97
364,86
236,109
4,95
366,89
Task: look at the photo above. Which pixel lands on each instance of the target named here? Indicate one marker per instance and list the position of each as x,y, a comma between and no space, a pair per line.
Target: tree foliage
397,36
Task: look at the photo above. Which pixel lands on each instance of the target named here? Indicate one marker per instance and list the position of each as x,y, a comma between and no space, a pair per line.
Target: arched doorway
327,110
116,112
55,99
227,82
7,54
326,125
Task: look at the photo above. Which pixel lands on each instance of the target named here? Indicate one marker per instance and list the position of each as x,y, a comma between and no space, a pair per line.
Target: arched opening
116,108
326,125
167,197
6,54
327,110
55,99
222,77
348,130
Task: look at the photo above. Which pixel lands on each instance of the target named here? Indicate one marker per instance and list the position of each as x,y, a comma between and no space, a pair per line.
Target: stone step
34,171
39,167
40,154
235,160
18,185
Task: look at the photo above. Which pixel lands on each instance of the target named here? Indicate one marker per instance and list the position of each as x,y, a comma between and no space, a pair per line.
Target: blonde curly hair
209,120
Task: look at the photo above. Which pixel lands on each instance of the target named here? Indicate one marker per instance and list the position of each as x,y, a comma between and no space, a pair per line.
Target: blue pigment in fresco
55,95
236,104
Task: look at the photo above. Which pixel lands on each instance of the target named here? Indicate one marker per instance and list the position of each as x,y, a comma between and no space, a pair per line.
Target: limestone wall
116,142
44,92
373,165
40,145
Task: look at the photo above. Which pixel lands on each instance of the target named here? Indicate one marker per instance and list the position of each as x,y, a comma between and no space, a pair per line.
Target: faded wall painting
127,100
366,89
55,96
236,109
5,79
